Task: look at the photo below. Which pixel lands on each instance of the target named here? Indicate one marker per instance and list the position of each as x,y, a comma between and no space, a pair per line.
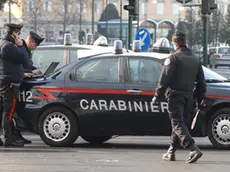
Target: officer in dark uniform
180,72
12,62
30,44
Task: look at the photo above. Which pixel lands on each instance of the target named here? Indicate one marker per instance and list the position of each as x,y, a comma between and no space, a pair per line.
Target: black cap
178,33
36,38
13,26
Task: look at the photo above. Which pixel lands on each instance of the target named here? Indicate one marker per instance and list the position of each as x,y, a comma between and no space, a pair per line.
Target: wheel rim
56,126
221,129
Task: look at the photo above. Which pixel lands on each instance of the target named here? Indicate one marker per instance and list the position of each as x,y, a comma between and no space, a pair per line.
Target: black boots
20,138
170,154
12,142
10,138
194,155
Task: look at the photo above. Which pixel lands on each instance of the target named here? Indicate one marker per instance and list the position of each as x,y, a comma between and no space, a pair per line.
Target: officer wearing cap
180,72
29,44
12,62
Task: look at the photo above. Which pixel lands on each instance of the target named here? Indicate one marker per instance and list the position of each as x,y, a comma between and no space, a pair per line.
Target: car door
96,89
143,76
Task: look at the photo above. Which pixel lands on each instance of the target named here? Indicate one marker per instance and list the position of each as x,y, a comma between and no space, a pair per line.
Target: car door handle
134,91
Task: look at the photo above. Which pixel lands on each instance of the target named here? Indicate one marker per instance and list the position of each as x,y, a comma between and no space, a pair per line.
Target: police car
100,96
68,52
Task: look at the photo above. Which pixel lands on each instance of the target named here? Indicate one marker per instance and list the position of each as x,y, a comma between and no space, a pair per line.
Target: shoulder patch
167,62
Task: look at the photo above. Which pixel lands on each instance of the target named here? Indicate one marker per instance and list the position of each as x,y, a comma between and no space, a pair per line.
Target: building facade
51,18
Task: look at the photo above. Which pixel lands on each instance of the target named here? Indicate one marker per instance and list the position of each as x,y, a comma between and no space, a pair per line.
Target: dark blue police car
100,96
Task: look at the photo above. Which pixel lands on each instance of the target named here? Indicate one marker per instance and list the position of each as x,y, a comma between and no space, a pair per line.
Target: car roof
78,46
142,54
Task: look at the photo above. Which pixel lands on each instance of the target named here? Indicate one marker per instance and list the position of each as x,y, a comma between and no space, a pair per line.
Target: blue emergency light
136,46
67,39
118,47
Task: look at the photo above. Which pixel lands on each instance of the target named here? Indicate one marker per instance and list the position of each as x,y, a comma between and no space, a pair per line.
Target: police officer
12,62
180,72
30,44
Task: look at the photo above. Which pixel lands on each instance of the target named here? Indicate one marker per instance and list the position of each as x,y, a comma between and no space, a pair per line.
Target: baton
195,118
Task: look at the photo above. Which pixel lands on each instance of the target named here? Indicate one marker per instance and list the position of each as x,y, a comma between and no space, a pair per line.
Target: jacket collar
8,38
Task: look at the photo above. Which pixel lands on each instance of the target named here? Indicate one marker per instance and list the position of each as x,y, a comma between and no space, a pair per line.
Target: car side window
42,58
144,70
99,70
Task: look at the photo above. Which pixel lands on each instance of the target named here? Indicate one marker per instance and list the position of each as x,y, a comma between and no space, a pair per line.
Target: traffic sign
144,36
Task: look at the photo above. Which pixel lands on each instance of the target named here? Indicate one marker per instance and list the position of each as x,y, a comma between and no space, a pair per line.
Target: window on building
160,6
47,5
176,8
97,6
31,5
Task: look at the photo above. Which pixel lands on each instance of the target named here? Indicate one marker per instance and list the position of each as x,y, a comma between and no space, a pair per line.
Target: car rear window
43,57
224,50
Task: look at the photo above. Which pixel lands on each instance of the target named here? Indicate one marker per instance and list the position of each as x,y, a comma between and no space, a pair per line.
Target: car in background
219,56
64,54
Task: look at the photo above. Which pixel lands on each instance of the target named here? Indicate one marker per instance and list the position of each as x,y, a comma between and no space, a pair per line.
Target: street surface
121,154
224,71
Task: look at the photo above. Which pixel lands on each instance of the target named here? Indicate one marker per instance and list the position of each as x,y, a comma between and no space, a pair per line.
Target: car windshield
224,50
211,75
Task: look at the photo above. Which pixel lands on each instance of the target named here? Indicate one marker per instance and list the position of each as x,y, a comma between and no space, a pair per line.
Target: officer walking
12,62
30,44
180,72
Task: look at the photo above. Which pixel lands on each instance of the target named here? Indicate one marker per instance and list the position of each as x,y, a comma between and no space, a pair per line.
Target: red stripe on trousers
13,108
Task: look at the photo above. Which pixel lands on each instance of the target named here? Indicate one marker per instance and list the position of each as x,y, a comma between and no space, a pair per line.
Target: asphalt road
121,154
224,71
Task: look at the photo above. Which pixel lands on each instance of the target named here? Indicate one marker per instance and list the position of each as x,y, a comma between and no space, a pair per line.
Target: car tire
215,66
219,128
58,127
95,140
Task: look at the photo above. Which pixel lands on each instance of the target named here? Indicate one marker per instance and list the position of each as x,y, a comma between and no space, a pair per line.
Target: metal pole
205,40
93,16
106,3
9,11
120,19
130,32
80,15
138,15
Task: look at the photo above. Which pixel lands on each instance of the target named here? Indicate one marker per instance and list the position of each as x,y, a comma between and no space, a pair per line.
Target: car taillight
208,53
217,56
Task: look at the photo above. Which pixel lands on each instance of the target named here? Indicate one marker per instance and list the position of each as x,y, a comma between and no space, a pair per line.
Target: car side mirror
73,76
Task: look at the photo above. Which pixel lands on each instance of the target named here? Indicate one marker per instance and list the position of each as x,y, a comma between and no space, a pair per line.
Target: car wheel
215,66
96,139
58,126
219,128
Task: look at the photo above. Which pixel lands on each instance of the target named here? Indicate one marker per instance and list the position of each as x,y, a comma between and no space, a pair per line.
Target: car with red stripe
101,96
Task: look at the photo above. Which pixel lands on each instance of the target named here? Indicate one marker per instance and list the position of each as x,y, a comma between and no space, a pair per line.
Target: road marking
106,160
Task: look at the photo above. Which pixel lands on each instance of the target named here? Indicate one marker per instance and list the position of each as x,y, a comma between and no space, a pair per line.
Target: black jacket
12,61
28,55
182,72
